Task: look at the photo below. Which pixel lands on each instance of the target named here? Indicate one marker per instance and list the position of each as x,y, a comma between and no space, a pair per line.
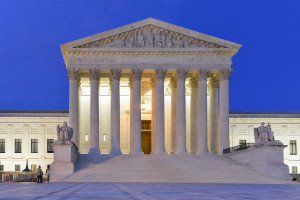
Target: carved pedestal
267,159
65,156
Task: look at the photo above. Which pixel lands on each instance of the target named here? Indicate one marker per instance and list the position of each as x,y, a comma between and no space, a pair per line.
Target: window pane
294,170
49,145
17,168
34,146
1,168
18,146
2,145
33,167
293,147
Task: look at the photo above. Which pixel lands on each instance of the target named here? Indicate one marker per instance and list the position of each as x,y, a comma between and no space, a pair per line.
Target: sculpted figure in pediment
159,40
131,41
149,38
140,43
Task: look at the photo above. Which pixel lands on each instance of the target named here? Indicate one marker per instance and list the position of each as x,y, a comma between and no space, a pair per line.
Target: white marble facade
149,70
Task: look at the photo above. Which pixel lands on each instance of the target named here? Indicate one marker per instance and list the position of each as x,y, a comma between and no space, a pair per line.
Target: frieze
83,59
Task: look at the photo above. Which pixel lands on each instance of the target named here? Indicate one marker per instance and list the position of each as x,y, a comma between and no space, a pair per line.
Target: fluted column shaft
181,112
73,103
224,76
202,112
193,115
173,114
136,111
214,141
94,111
160,111
153,116
115,111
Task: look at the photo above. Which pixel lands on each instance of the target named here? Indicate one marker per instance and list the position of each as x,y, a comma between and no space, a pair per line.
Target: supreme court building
147,87
135,78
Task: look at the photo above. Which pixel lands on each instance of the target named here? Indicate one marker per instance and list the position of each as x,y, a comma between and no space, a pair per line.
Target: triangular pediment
150,33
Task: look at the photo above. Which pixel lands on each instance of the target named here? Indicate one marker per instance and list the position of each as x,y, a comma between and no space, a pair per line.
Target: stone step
188,168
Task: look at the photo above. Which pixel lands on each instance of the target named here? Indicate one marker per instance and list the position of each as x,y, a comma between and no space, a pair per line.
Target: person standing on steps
48,173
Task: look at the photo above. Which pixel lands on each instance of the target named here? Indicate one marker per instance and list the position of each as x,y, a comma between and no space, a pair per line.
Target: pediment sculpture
150,37
64,133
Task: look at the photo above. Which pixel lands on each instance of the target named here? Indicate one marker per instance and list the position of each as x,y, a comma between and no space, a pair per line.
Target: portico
155,70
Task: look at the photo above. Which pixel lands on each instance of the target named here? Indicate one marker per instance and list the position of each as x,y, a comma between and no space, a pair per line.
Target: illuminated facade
148,87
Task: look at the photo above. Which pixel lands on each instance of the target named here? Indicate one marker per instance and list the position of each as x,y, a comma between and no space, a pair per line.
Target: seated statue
263,134
64,133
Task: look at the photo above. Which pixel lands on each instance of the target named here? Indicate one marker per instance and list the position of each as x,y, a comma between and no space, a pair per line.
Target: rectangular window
34,145
294,170
1,168
293,147
2,145
242,142
17,168
49,145
33,167
18,146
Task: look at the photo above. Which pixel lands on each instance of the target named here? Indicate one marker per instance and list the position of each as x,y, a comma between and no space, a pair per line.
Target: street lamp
26,169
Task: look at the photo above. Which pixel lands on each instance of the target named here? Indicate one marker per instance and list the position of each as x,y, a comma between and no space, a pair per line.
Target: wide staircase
188,168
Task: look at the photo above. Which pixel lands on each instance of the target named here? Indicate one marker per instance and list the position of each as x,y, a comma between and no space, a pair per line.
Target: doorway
146,136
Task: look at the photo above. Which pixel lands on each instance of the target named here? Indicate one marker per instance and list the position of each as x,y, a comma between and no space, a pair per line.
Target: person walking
48,173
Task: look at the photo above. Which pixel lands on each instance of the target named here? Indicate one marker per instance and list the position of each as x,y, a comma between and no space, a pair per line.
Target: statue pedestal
65,156
266,159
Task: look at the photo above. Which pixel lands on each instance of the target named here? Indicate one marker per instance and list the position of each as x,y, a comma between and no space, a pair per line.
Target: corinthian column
136,111
160,111
193,115
115,111
173,84
202,115
153,115
94,113
214,141
181,112
224,75
73,103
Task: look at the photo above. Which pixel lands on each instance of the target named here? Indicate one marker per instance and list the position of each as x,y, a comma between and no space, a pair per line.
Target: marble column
115,111
160,111
94,111
224,75
181,112
173,85
193,115
202,111
136,111
73,103
131,97
214,141
153,115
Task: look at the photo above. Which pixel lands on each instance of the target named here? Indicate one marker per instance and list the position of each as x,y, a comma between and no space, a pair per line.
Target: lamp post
26,169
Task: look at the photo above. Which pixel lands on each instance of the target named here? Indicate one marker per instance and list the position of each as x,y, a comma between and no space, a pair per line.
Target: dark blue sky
266,72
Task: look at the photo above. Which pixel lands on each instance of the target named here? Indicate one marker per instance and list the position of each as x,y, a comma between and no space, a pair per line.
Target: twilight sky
266,73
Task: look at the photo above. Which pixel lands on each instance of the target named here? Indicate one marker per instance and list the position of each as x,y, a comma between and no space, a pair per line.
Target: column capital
181,73
73,74
115,74
94,74
136,74
214,83
193,82
173,82
160,74
202,74
224,74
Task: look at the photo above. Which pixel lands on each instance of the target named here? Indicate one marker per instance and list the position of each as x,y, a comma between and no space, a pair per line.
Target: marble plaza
148,191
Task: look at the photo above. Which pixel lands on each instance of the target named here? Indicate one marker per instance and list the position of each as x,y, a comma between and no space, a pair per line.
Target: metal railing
238,148
18,176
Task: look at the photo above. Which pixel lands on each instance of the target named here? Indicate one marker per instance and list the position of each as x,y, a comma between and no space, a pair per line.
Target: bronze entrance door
146,136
